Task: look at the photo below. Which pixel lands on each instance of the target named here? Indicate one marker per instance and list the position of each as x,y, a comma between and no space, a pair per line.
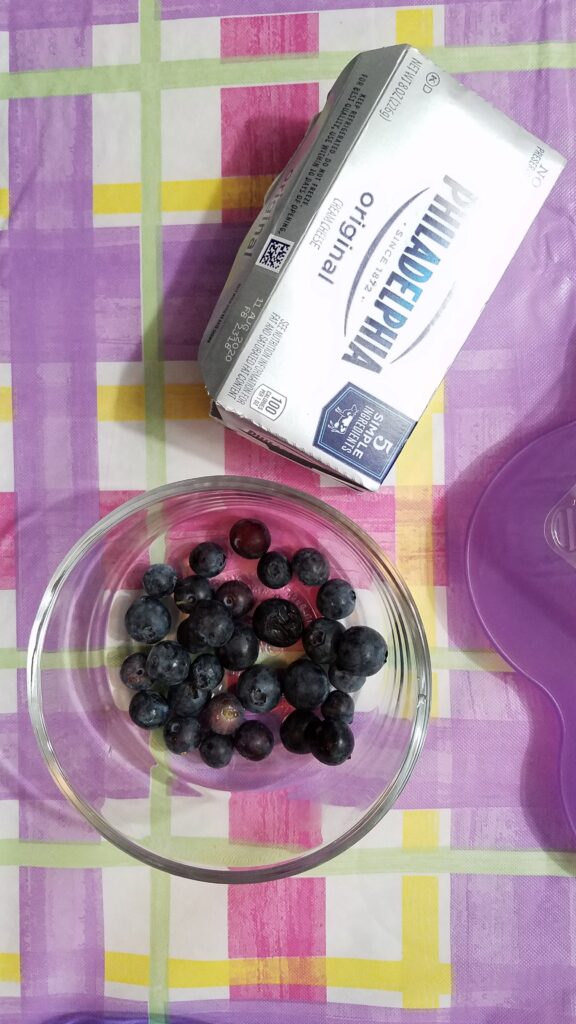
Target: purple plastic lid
521,567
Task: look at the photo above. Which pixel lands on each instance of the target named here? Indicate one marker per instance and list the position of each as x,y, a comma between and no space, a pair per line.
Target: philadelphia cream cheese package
371,260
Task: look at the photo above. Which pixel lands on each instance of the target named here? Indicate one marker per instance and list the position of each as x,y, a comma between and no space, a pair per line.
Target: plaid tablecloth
135,144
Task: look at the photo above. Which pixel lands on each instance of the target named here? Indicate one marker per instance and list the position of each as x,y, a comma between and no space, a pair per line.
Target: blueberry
332,742
133,672
187,637
278,622
236,596
293,731
250,538
186,700
362,650
211,623
190,590
148,709
346,682
336,599
206,672
259,688
224,714
168,663
147,620
305,684
312,729
241,650
320,638
182,734
311,567
216,751
160,580
254,741
274,570
338,705
207,559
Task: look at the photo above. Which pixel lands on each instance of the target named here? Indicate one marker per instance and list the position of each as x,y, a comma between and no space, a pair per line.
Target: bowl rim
300,862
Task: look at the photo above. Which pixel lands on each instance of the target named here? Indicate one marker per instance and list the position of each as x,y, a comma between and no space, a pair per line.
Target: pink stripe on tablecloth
7,538
439,536
114,545
273,818
265,34
244,458
272,919
262,125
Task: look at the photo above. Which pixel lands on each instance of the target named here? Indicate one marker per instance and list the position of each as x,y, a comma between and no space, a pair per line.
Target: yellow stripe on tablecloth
9,967
335,972
121,402
415,466
202,194
239,193
437,401
127,968
415,26
420,830
5,405
4,204
120,198
186,402
426,977
392,976
281,970
124,402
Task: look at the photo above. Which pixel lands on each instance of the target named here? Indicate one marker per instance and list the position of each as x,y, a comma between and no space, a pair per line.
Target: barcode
274,253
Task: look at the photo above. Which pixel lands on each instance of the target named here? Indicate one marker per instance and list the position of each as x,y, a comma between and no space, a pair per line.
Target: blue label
362,431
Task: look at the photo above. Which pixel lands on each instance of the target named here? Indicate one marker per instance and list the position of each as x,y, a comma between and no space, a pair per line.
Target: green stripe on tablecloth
152,289
443,658
258,71
513,863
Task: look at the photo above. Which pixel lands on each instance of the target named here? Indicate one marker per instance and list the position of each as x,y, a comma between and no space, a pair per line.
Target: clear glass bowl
248,822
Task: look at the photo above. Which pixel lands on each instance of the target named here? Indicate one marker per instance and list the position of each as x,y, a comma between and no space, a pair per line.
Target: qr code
274,253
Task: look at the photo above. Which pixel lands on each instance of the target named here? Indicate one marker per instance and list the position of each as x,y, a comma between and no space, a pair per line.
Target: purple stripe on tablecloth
118,1011
11,787
514,945
45,813
117,294
262,1012
279,1012
53,339
4,302
222,8
505,22
34,49
514,378
514,749
61,941
37,14
197,259
114,12
468,764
